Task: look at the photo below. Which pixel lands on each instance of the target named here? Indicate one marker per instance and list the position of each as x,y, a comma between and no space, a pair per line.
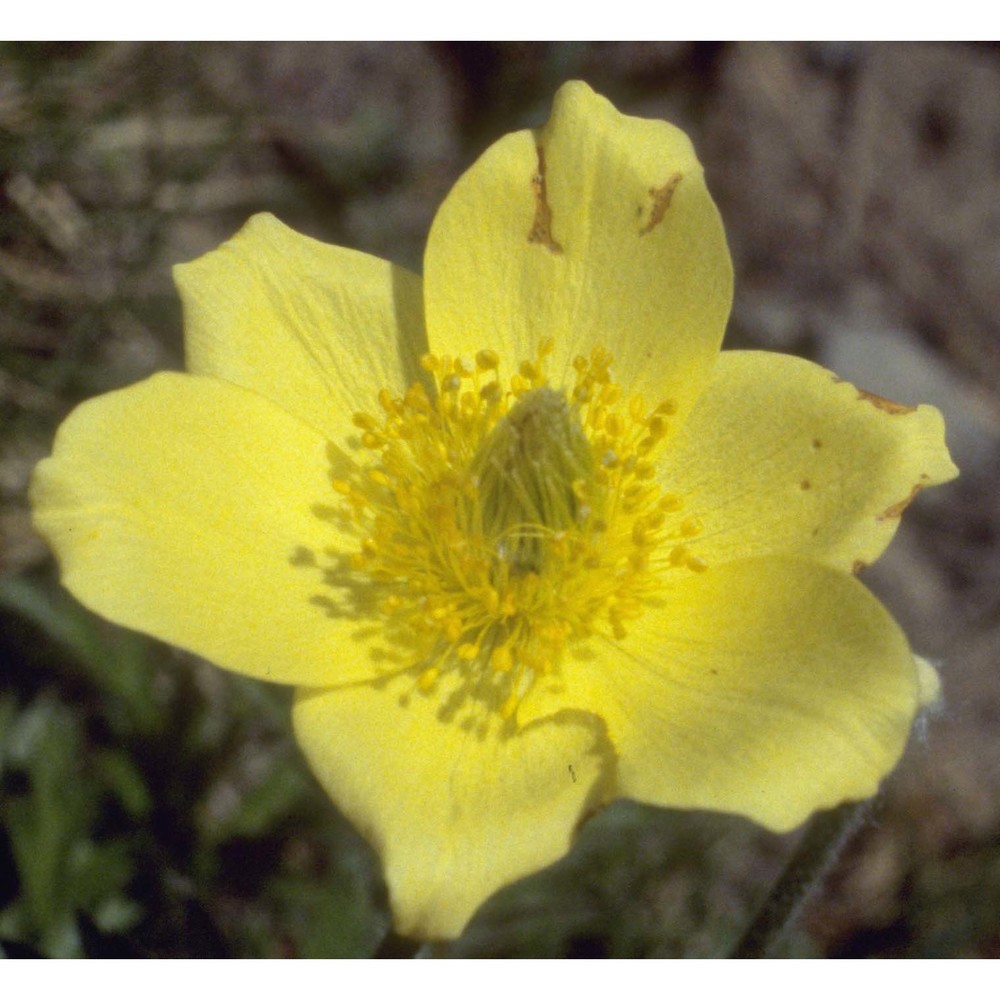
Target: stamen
510,521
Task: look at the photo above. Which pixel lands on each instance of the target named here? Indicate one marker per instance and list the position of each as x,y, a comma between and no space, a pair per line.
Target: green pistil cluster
504,523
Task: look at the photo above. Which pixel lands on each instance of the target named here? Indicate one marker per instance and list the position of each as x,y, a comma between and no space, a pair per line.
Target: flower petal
597,228
780,456
767,687
315,328
454,808
190,509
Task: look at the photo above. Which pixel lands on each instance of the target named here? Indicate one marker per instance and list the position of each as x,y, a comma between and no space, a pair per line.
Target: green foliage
153,806
63,864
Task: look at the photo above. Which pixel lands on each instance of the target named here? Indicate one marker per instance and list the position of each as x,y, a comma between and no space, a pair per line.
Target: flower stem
825,837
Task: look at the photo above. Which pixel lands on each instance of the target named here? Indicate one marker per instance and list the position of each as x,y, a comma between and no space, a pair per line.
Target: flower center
528,472
503,524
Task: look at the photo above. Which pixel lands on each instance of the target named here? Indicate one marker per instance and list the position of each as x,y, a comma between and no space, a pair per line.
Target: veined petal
780,456
596,229
315,328
766,687
192,510
454,808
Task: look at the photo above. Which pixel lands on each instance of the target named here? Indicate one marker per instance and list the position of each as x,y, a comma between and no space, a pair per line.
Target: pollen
508,522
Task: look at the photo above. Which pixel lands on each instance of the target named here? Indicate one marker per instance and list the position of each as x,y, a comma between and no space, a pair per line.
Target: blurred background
151,805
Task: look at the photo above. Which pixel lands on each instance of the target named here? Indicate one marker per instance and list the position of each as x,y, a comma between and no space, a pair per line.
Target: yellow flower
522,537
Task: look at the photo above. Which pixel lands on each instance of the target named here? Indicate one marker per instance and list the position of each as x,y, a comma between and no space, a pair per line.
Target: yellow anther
387,402
696,564
468,651
637,409
581,364
426,680
491,393
372,439
691,526
342,486
546,347
451,383
657,427
430,362
656,520
678,555
364,421
509,707
600,362
491,600
667,408
644,470
670,502
501,660
464,367
487,360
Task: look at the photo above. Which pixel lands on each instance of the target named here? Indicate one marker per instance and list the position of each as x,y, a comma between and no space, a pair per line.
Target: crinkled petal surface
315,328
766,687
455,812
597,229
781,457
190,509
